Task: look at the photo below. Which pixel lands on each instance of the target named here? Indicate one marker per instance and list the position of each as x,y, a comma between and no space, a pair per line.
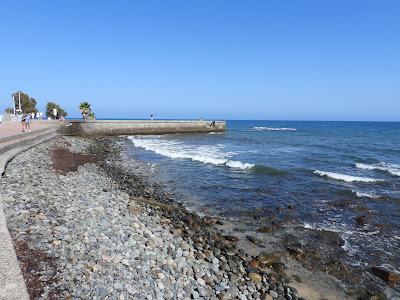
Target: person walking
23,122
28,122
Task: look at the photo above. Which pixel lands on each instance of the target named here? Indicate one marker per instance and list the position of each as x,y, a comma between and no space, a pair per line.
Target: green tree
86,111
28,104
49,110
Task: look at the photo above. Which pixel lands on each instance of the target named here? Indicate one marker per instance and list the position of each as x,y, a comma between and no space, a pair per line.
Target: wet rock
278,266
381,226
188,220
362,208
266,229
329,238
231,238
296,251
212,221
255,264
267,258
360,220
386,275
255,240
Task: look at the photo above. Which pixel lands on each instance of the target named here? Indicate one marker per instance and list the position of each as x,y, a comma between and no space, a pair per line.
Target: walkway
9,128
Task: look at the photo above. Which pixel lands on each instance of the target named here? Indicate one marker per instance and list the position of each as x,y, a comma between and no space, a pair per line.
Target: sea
342,177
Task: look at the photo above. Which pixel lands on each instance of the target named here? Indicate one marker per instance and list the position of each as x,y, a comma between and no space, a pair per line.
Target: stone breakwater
97,231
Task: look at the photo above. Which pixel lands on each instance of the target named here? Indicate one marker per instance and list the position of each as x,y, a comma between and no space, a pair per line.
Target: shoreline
95,239
318,257
255,276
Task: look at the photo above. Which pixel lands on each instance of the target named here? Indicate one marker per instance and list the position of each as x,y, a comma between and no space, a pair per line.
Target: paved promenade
10,128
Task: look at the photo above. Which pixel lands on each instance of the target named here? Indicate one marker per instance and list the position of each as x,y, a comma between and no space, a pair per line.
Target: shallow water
329,172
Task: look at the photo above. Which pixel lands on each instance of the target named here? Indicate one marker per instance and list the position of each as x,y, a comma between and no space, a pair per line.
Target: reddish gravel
32,262
64,161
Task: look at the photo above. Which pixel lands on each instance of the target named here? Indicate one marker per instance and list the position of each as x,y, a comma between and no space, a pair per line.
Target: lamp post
13,100
19,101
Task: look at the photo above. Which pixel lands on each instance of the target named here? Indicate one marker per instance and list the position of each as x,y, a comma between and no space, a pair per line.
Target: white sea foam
382,166
367,195
177,150
346,246
239,164
341,229
321,227
308,226
347,178
260,128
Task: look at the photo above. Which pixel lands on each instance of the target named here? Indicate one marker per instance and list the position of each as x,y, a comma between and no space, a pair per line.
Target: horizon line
223,119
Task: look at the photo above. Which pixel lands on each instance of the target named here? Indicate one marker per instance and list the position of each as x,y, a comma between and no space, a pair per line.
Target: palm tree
85,109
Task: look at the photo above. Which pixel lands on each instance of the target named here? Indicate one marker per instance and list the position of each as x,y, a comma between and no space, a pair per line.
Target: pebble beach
86,227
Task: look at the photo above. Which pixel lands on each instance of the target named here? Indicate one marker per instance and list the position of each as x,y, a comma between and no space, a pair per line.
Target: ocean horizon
238,119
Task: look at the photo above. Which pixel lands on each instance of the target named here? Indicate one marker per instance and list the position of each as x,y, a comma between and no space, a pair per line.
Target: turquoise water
330,172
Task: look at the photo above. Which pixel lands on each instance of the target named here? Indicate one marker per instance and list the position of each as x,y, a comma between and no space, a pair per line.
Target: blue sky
303,60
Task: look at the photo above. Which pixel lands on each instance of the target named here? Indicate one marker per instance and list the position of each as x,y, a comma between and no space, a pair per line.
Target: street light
13,99
19,103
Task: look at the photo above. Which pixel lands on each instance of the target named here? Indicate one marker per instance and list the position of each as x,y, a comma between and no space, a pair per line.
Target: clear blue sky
304,60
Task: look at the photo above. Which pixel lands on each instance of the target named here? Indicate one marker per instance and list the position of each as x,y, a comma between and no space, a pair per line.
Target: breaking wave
177,150
273,129
365,195
347,178
392,169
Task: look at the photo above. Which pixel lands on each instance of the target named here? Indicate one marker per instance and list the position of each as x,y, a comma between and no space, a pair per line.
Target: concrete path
9,128
12,142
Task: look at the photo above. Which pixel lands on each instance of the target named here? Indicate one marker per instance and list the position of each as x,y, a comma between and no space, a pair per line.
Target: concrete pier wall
133,127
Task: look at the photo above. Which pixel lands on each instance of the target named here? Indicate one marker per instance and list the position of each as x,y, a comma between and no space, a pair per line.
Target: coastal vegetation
28,104
50,106
86,111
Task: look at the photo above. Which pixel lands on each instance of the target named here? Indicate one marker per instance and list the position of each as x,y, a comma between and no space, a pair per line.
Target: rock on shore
97,240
